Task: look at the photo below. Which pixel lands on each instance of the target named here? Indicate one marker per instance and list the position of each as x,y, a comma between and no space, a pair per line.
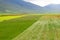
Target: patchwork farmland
30,27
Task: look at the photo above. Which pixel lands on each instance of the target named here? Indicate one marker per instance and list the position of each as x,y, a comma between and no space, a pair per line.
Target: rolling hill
52,8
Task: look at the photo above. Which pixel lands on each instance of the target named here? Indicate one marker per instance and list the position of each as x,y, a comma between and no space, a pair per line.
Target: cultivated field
31,27
3,18
9,29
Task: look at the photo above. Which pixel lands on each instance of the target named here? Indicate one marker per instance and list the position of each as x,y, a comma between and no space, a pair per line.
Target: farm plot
9,29
3,18
46,28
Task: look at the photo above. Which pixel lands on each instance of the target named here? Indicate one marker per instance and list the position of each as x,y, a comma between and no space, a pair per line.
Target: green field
11,28
31,27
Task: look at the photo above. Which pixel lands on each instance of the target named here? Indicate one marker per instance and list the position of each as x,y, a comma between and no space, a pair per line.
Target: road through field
46,28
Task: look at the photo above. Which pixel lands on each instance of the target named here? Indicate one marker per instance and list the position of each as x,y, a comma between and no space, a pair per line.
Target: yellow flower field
9,17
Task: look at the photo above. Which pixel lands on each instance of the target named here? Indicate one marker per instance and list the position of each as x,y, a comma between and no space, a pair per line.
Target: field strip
43,29
29,29
32,32
9,17
56,29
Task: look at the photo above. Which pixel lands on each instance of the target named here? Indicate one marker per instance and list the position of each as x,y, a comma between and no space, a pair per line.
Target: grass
46,28
31,27
11,28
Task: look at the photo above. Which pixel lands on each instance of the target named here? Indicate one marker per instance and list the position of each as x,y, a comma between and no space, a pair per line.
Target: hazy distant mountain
52,8
19,6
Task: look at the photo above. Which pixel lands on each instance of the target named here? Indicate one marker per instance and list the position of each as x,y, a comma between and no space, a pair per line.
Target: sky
43,2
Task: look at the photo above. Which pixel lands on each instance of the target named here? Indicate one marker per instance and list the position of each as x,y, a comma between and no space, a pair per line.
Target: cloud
43,2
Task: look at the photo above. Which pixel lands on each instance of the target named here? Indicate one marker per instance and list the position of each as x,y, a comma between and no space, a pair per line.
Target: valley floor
46,28
30,27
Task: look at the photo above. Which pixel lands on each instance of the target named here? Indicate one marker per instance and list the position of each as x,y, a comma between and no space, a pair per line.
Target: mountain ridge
20,6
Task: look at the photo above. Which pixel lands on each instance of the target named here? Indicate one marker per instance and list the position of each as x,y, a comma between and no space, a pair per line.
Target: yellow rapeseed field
9,17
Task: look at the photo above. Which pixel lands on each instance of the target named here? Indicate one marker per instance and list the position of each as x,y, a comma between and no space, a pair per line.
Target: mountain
52,8
18,6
